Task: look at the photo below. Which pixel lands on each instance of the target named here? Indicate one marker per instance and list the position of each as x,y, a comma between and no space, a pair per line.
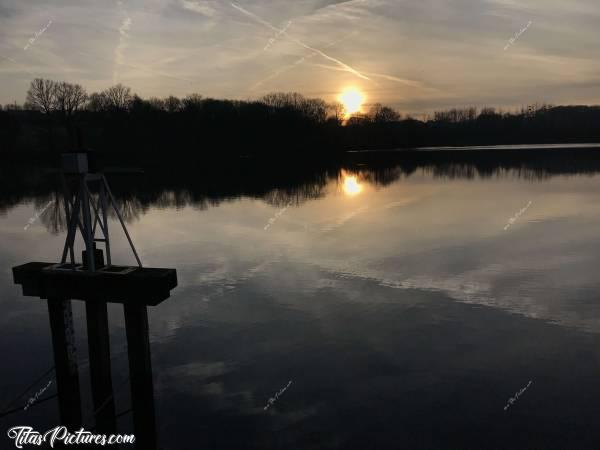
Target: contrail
296,41
274,39
123,29
141,68
377,75
133,66
298,62
19,64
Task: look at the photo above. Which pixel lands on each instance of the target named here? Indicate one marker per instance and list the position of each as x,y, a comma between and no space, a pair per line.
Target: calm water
406,310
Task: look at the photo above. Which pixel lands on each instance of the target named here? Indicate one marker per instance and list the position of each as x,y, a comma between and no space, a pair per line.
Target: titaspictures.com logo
24,435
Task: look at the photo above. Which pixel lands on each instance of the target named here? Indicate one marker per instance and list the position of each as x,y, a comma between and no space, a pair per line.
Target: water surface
406,308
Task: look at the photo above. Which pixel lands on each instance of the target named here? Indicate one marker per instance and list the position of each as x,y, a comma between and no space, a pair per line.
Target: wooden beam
140,373
100,367
116,284
65,361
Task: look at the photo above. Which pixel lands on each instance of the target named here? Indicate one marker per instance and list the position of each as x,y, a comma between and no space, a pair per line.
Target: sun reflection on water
351,185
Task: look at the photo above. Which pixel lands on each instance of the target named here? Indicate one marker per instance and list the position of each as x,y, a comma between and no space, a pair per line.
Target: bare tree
358,120
488,112
13,107
41,95
118,97
456,115
172,104
157,103
69,98
337,111
192,103
313,109
382,114
283,100
97,102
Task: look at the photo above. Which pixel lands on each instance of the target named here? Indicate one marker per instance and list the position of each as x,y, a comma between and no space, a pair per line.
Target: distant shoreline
588,146
120,124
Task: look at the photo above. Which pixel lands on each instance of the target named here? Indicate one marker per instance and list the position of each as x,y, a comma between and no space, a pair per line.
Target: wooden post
100,367
140,373
65,361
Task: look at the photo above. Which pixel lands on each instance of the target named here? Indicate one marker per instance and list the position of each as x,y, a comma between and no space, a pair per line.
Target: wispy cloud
296,63
123,36
202,7
415,56
345,66
24,68
140,68
376,75
274,39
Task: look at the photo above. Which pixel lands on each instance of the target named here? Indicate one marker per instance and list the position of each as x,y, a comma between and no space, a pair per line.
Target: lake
366,306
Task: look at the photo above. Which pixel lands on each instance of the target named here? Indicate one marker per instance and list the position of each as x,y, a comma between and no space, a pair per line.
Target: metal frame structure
87,200
88,212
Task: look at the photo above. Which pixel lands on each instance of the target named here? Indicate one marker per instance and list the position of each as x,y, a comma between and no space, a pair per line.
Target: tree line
59,116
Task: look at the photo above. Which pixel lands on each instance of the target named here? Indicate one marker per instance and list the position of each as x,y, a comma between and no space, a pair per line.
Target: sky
417,56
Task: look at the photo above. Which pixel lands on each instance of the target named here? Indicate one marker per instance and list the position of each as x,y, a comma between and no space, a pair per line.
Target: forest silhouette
59,116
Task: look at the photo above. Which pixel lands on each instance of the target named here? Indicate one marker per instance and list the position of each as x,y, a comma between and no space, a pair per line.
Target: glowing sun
351,186
352,99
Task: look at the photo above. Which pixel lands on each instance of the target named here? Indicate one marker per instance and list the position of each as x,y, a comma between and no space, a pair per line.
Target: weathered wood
96,284
140,373
65,362
100,367
116,284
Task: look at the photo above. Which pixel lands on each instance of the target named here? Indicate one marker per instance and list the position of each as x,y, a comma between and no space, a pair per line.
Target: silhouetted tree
157,103
314,109
192,103
383,114
357,120
118,97
12,107
337,111
41,96
291,100
280,123
69,99
172,104
10,127
97,102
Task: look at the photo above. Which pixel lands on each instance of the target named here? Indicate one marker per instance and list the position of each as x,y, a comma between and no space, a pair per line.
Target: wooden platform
113,284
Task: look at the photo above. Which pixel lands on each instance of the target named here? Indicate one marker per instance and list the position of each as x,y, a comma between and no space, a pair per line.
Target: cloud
343,65
123,36
377,75
450,50
23,68
201,7
296,63
274,38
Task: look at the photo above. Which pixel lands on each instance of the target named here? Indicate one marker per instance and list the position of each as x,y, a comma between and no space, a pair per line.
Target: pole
65,362
100,368
140,373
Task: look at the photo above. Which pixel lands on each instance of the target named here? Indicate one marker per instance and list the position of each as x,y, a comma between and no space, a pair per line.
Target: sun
352,99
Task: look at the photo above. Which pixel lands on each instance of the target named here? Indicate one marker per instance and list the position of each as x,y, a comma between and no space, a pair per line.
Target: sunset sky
414,55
